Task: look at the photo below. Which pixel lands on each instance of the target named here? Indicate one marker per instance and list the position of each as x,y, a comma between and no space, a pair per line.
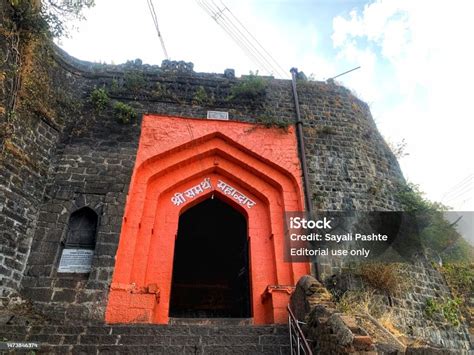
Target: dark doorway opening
210,267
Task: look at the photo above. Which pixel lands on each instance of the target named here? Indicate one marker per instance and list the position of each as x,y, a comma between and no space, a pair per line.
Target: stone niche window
79,248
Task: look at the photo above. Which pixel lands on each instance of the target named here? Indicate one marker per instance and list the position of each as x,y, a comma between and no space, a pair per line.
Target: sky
416,59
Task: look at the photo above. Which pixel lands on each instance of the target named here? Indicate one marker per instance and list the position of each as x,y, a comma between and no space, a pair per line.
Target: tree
60,14
55,16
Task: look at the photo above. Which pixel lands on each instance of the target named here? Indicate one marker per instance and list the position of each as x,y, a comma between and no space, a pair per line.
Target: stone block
38,294
65,295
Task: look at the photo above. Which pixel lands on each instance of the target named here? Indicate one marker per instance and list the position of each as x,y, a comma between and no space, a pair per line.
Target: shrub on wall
124,113
385,277
436,234
444,310
250,87
100,99
201,97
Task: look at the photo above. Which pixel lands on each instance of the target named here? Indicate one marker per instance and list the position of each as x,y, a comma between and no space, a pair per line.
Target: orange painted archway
181,162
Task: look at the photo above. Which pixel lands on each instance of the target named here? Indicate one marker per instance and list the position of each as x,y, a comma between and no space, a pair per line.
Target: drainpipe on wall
302,154
301,150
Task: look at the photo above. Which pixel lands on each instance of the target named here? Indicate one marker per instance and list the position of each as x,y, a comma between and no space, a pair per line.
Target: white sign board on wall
76,260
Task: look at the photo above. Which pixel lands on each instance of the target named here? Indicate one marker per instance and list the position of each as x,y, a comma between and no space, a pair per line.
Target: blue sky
415,58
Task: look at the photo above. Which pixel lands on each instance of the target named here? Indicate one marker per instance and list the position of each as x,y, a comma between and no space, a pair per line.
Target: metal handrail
298,343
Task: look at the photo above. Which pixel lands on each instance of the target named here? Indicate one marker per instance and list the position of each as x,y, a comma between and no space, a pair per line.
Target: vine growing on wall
12,63
29,21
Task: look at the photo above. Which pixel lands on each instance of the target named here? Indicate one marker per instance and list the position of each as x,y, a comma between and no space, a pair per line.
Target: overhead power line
235,29
458,194
231,31
151,7
460,185
218,15
258,43
348,71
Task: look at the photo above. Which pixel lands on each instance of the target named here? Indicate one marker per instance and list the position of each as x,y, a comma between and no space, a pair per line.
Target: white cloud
423,47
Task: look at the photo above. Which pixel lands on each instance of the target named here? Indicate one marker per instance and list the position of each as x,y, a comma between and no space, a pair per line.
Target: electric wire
224,17
459,185
459,190
272,69
151,8
459,194
282,71
216,15
232,34
240,35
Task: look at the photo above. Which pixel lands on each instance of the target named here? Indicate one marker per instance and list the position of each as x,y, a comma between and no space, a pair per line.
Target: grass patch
384,277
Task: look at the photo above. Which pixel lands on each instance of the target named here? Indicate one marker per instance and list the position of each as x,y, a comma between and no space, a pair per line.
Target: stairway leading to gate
153,339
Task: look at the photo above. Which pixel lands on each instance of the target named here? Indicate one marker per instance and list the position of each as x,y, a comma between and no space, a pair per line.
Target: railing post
301,342
291,335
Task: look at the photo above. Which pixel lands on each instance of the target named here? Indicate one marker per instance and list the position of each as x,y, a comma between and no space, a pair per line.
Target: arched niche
76,257
82,229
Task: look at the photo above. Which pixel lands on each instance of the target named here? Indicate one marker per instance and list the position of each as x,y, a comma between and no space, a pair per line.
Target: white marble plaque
218,115
76,260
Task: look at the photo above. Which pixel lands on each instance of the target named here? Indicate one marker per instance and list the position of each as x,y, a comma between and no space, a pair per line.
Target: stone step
211,321
153,339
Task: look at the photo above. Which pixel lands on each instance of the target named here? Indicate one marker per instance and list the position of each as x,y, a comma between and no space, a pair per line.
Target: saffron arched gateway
182,162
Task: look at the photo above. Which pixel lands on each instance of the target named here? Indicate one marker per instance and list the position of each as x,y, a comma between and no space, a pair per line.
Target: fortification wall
60,153
85,157
37,106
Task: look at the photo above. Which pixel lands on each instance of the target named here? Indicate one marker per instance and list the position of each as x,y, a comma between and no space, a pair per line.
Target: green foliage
59,14
100,99
434,231
27,18
250,87
413,200
431,307
451,313
114,86
48,16
445,309
460,277
270,121
201,97
124,113
134,81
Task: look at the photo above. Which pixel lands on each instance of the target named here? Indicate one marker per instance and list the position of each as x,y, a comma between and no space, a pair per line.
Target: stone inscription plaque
76,261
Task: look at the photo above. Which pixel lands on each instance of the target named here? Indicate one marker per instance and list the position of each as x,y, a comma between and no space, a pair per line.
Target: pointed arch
82,229
175,155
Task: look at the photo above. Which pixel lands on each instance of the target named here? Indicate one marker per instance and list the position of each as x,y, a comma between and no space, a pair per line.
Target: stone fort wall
59,153
72,156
